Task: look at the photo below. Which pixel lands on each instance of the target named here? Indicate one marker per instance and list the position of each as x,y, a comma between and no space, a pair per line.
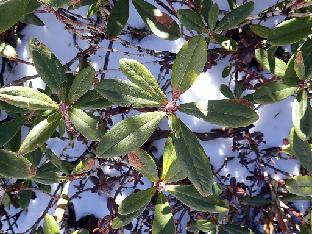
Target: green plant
143,92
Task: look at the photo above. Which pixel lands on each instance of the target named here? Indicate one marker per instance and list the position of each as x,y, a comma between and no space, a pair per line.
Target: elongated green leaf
276,66
260,30
128,135
161,24
48,67
189,63
300,185
122,220
191,19
291,77
47,174
40,134
31,18
27,98
163,222
92,100
213,16
235,17
233,229
62,165
126,93
12,166
10,108
273,91
138,74
206,6
193,157
172,170
144,163
50,226
56,3
82,83
302,116
9,129
203,225
118,18
11,11
188,195
136,201
231,113
85,124
301,149
290,31
8,51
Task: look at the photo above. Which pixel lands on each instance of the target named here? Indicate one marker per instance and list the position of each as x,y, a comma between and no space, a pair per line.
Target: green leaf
291,77
9,129
47,174
125,93
143,163
193,157
301,149
172,169
50,226
27,98
85,124
226,42
273,91
226,91
257,201
81,84
92,100
48,67
276,66
56,3
138,74
122,220
235,17
189,63
62,165
191,19
81,231
290,31
163,222
203,225
118,18
231,113
40,134
8,51
302,116
136,201
233,229
11,11
213,16
129,134
12,166
161,24
206,5
300,185
32,19
260,30
188,195
10,108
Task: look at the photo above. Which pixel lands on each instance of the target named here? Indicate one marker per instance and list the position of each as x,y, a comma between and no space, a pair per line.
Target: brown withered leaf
134,160
163,18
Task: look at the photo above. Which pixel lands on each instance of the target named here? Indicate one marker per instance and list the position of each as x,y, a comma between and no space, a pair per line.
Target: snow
274,121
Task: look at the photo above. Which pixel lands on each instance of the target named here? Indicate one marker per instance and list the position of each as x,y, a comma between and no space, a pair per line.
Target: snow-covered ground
274,120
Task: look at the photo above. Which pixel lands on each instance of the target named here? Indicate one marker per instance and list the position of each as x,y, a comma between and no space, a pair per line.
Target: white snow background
274,120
